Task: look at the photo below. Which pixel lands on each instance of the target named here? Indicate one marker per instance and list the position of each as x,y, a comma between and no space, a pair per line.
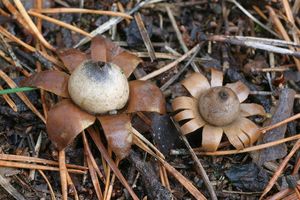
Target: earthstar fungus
217,109
96,87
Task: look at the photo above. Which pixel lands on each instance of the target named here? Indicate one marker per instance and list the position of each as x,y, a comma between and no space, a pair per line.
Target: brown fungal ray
72,58
192,126
196,84
240,89
241,133
181,103
211,137
117,130
250,109
232,132
49,80
216,78
145,96
185,114
65,121
104,50
250,129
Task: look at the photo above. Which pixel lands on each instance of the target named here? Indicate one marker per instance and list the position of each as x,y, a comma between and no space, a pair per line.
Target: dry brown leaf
51,81
65,121
72,58
145,96
105,50
117,129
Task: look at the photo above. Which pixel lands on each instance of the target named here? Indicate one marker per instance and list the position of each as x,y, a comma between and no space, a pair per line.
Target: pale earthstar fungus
217,109
97,87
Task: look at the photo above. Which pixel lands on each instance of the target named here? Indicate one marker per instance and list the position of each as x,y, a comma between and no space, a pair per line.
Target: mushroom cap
219,106
98,87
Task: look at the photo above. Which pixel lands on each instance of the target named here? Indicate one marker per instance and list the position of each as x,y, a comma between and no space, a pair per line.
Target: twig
256,44
179,36
253,18
4,182
170,65
145,36
110,23
81,10
172,79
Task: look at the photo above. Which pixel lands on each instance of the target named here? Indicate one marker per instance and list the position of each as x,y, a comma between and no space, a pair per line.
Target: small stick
170,65
145,36
267,93
179,36
81,10
49,185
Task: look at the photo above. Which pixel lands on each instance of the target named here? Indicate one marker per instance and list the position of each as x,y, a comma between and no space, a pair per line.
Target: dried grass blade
22,96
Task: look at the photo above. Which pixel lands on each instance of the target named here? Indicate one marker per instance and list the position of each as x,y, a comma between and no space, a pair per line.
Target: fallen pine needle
60,23
81,10
9,157
35,166
63,174
280,169
253,148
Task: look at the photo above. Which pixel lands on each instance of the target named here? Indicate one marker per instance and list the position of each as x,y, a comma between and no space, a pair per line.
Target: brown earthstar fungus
217,109
96,88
